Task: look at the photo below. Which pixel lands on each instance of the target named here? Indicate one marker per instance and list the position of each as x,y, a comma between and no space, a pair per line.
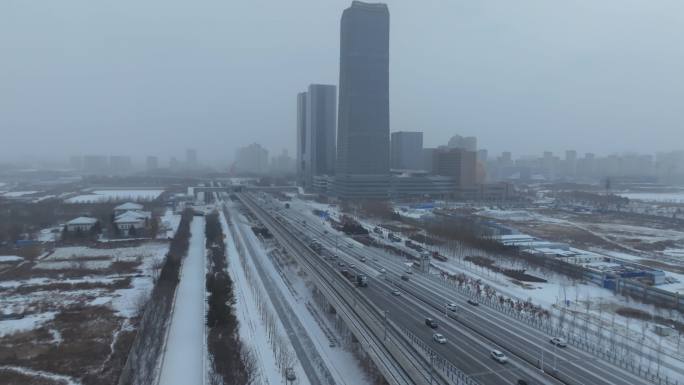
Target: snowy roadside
341,364
252,330
185,353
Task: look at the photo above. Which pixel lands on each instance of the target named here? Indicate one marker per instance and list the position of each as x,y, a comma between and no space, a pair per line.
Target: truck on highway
316,247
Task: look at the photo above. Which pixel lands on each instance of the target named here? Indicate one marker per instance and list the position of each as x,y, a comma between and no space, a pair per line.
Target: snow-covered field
10,258
17,194
676,197
71,297
97,196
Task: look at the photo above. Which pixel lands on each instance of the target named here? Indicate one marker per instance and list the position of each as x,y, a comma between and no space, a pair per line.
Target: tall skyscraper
301,139
363,122
151,163
252,159
191,158
406,150
316,121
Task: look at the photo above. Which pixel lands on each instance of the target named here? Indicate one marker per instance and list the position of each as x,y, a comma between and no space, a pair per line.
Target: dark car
431,323
522,382
405,277
473,302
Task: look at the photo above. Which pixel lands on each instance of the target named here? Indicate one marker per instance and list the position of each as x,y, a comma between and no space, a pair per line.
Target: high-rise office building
151,163
457,163
406,150
301,139
95,163
363,122
191,158
316,121
571,163
252,159
468,143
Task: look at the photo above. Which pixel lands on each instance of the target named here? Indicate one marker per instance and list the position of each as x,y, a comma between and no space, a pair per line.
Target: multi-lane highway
396,358
471,332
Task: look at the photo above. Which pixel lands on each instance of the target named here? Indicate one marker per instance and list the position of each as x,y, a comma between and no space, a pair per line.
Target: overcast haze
154,77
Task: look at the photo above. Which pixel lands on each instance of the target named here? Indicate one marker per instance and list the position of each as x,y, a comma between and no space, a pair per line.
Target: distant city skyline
601,77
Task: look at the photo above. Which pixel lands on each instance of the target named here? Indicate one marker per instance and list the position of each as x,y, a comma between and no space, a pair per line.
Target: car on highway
409,271
382,270
440,339
352,266
405,277
363,259
473,302
431,323
451,306
396,293
340,264
498,356
290,374
560,342
522,382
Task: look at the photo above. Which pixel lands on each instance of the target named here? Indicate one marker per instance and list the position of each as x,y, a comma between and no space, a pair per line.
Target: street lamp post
432,365
384,338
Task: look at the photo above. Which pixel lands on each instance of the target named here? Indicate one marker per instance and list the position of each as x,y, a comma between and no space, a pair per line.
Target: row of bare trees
232,362
281,347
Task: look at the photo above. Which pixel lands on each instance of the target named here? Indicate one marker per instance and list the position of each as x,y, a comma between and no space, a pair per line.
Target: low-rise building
128,206
132,220
81,224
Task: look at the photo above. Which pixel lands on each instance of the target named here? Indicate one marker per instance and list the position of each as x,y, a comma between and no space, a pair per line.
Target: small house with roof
81,224
132,220
128,206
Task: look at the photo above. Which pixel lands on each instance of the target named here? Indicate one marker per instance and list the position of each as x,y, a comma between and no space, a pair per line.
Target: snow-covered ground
58,378
184,360
97,196
340,363
17,194
676,197
30,322
252,330
10,258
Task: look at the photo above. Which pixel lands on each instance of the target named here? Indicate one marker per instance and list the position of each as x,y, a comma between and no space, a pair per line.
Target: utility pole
555,358
384,338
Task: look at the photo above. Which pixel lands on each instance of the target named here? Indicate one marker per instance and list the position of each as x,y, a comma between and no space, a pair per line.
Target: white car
560,342
440,339
396,293
451,306
383,271
498,356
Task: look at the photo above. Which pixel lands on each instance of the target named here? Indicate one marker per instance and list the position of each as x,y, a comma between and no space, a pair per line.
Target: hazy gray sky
153,77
